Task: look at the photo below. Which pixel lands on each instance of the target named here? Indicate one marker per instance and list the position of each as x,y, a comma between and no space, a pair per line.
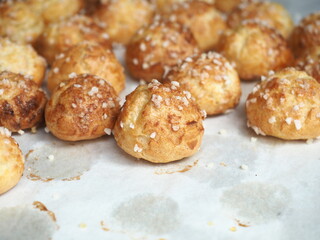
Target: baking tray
239,186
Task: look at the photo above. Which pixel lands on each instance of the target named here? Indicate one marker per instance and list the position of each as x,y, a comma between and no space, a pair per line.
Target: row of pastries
189,57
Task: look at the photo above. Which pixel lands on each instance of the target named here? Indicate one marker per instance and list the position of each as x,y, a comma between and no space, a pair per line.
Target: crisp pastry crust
204,21
19,23
211,80
285,105
306,35
60,36
164,6
82,107
156,48
55,10
270,13
159,123
22,102
11,161
227,6
21,58
122,18
255,49
87,57
310,63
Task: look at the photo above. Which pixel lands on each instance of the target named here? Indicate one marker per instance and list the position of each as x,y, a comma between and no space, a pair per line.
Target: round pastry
227,6
204,21
87,57
19,23
122,18
82,107
156,48
211,80
270,13
23,59
306,35
55,10
159,123
255,49
60,36
22,102
285,105
164,6
310,63
11,161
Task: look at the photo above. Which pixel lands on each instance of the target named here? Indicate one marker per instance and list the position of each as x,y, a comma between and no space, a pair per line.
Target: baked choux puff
285,105
87,57
211,80
270,13
11,161
154,49
22,102
19,23
159,123
55,10
255,49
122,18
23,59
306,35
82,107
204,21
310,63
60,36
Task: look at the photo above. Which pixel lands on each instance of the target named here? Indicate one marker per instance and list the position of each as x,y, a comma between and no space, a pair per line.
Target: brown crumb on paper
103,226
242,224
178,168
42,207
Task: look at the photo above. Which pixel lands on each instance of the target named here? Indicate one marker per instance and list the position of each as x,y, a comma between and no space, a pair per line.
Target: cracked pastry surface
82,107
255,49
285,105
11,161
211,80
159,123
157,47
22,102
87,57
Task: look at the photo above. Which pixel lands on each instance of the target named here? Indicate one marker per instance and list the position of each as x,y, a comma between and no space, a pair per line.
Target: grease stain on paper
257,202
57,161
22,222
148,213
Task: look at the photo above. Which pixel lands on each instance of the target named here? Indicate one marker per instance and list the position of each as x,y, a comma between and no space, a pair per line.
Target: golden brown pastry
306,35
164,6
122,18
11,161
60,36
156,48
19,23
310,63
255,49
82,107
55,10
285,105
87,57
204,21
21,58
159,123
227,6
211,80
270,13
22,102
